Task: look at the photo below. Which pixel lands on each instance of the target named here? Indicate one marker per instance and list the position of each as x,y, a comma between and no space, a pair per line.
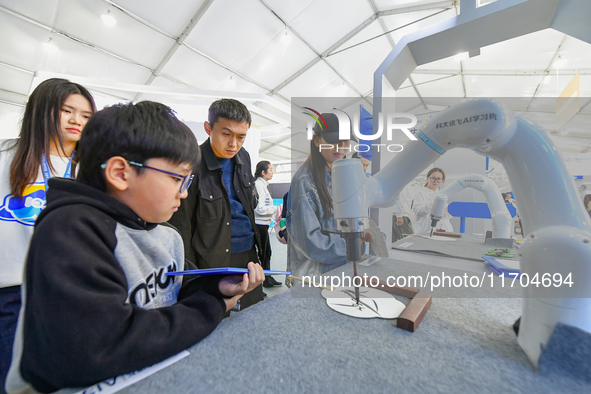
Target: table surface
296,344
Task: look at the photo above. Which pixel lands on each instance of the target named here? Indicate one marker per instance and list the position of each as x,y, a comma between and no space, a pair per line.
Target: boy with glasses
97,302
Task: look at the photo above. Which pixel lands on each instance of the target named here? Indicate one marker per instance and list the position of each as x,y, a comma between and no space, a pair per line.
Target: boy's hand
231,302
235,286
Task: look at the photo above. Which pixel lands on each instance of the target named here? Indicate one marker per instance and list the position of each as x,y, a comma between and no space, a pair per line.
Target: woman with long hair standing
423,202
311,251
54,118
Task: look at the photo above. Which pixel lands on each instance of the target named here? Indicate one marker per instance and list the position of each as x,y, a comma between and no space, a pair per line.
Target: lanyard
47,174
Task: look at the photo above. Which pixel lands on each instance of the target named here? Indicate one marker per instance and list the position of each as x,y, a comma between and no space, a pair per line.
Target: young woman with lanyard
54,118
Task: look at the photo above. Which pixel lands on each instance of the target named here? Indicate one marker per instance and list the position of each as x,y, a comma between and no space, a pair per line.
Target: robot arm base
554,263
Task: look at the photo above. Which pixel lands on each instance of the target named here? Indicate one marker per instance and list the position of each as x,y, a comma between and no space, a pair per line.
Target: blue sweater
242,232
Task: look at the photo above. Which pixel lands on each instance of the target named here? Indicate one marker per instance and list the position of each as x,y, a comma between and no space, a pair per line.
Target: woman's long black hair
40,127
317,165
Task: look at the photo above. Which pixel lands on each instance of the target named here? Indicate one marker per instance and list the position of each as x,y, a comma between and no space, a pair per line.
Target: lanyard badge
47,174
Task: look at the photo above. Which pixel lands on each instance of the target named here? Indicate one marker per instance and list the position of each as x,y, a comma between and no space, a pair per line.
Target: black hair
40,128
137,132
261,166
317,165
228,109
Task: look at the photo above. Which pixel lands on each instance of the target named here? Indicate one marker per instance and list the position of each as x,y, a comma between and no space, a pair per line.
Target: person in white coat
263,214
423,201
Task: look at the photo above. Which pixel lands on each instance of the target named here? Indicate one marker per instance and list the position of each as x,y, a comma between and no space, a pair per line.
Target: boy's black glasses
187,179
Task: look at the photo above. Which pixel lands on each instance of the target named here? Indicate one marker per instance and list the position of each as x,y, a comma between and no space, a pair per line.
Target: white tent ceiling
275,49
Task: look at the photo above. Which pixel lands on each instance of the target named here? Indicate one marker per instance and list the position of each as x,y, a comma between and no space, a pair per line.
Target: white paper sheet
511,263
117,383
374,303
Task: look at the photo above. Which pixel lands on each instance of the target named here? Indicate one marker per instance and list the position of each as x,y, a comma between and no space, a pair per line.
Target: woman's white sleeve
420,205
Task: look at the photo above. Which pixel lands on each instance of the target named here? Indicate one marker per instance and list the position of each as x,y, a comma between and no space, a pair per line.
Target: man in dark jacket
216,220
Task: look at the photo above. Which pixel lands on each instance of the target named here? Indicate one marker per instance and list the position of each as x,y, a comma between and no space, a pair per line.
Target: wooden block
413,314
444,234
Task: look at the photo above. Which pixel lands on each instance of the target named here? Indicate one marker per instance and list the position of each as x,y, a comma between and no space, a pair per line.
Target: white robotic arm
501,217
557,226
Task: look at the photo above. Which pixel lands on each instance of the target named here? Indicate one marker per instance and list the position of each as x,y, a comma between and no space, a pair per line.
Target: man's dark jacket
204,218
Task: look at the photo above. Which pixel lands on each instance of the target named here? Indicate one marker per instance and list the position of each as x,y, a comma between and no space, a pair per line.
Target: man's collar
238,158
211,159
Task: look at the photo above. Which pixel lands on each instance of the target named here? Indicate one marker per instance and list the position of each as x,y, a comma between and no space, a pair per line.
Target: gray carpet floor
298,345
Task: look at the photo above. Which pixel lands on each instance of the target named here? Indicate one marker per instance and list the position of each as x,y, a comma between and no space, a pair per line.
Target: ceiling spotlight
285,38
108,19
50,46
560,62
